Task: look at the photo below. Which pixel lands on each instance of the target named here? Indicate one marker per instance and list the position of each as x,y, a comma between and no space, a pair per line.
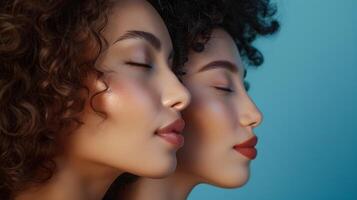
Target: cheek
132,111
210,135
132,100
208,129
210,114
126,138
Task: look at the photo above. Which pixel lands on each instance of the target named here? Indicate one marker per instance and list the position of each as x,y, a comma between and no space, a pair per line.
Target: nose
175,95
249,114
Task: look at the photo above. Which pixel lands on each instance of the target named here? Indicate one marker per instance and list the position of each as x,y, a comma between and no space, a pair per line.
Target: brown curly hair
47,49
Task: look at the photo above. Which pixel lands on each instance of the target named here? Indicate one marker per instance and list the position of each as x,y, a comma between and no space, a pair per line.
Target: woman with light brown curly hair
86,93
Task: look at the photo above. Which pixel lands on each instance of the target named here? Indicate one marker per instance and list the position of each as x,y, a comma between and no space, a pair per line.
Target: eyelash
229,90
144,65
225,89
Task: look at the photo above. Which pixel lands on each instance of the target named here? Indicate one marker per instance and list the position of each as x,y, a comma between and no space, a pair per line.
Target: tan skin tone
221,115
136,104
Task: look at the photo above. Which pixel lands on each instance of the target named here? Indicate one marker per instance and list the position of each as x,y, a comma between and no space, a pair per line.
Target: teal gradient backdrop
307,91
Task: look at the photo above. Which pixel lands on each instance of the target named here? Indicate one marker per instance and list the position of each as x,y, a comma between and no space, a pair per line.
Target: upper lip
250,143
176,126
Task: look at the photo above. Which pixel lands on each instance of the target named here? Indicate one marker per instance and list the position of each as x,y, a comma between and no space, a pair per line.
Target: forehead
139,15
220,47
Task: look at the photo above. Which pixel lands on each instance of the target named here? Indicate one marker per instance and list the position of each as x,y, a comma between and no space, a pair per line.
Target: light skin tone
136,63
221,115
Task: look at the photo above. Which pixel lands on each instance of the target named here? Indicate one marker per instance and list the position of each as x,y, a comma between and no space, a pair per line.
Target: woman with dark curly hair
86,93
220,142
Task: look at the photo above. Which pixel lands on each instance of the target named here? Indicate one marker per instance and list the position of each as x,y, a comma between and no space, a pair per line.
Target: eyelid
224,88
139,64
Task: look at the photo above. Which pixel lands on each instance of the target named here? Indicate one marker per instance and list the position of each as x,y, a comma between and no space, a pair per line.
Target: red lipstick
172,133
247,148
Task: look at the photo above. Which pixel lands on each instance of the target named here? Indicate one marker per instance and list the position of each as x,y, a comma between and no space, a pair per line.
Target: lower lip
173,138
249,152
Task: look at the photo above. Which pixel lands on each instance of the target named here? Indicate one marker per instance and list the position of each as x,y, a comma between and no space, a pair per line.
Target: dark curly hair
245,20
191,23
47,49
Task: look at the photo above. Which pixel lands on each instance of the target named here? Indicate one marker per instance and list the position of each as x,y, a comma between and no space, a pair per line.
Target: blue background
307,91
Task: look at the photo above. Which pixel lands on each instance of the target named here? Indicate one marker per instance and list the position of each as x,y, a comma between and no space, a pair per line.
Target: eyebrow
222,64
149,37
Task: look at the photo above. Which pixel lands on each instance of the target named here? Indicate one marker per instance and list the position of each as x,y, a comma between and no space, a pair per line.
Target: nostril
178,101
258,121
177,105
253,124
250,119
176,96
182,103
184,99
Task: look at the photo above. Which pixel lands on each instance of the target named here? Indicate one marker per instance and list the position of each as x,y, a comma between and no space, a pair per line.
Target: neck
73,180
174,187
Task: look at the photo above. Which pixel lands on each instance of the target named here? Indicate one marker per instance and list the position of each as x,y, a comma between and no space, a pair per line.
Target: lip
172,133
247,148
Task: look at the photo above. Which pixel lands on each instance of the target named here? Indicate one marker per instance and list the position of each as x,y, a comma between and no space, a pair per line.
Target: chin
159,169
236,179
234,183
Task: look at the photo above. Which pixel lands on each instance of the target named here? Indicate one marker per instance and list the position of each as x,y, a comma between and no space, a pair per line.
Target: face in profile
139,95
221,117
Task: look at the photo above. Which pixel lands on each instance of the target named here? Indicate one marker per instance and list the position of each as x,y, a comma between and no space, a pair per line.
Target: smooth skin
136,63
221,115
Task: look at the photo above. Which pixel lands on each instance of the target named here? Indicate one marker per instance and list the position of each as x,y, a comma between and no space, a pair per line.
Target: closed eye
225,89
139,64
